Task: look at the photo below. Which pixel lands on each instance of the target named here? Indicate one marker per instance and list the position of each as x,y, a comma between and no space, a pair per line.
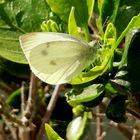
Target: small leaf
131,58
73,29
109,89
51,134
134,23
14,99
116,109
110,35
50,26
89,94
77,127
90,5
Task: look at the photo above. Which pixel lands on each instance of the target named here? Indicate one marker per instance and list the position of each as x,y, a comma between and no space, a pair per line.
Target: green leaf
110,35
109,89
104,58
2,1
107,11
78,110
118,12
15,69
82,11
116,109
51,134
121,79
9,46
77,127
131,58
62,8
127,9
134,23
14,99
50,26
90,93
16,18
129,39
73,29
90,5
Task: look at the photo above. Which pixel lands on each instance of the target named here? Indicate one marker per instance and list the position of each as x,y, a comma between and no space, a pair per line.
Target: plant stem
31,96
49,111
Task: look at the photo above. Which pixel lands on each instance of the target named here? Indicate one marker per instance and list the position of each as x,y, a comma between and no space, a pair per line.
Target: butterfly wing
55,58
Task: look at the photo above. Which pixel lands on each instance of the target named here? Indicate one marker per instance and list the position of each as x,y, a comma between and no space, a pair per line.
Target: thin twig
104,133
123,129
28,111
31,96
136,130
98,124
49,111
120,126
22,98
10,126
5,90
6,112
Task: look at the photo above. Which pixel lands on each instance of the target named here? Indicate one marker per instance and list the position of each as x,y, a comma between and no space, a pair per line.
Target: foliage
115,72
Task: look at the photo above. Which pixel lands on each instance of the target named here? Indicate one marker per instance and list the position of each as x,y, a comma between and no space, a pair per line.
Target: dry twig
49,111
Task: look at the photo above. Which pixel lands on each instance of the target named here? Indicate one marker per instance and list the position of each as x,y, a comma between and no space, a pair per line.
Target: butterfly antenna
105,22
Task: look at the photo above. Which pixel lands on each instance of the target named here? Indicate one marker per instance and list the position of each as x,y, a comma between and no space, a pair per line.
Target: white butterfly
56,58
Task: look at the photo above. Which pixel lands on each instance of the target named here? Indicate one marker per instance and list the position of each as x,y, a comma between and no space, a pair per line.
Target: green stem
18,28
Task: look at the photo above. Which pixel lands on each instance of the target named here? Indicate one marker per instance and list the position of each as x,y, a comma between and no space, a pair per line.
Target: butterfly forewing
55,61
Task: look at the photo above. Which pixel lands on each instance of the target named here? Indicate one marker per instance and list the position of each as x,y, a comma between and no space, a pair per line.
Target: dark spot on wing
52,62
44,52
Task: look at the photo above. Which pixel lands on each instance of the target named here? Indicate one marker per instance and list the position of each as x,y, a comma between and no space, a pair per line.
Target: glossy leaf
62,8
73,29
90,93
118,12
16,18
109,89
120,80
116,109
51,134
134,23
83,10
131,58
77,127
9,46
